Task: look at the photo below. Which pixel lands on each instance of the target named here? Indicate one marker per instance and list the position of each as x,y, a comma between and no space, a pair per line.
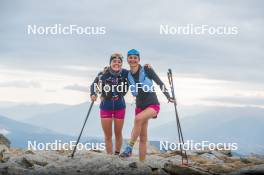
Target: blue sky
219,70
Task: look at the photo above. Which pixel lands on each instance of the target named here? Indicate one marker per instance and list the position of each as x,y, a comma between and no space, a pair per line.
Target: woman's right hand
93,97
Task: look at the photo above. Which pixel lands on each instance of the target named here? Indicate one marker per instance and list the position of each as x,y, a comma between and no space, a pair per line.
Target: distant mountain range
243,125
70,120
73,117
21,112
20,133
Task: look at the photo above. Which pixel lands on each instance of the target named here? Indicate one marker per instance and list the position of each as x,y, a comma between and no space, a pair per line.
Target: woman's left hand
102,98
148,66
171,100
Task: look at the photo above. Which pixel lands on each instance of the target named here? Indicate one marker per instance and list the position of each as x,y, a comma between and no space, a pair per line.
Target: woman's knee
108,137
138,119
118,135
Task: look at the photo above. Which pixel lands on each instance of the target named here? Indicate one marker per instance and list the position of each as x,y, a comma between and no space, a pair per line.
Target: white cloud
4,131
77,87
51,91
80,68
21,84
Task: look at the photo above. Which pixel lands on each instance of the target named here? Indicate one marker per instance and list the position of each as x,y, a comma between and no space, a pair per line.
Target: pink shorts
156,107
117,114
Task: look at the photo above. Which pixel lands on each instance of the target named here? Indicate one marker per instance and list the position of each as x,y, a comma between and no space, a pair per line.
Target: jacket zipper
113,108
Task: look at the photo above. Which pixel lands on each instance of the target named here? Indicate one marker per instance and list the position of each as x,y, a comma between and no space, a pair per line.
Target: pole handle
170,76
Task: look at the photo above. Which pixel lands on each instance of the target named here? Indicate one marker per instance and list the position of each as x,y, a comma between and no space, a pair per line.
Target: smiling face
133,60
116,64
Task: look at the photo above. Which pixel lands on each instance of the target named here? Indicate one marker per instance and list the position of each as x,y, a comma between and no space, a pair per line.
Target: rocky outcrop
20,162
4,141
4,146
252,170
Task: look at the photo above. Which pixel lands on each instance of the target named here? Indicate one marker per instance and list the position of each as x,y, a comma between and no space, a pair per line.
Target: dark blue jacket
113,100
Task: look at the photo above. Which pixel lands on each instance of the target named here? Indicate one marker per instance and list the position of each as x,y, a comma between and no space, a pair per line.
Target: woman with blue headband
140,81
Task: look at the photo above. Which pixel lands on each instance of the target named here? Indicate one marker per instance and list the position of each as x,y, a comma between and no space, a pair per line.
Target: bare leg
118,133
140,128
140,119
107,128
143,141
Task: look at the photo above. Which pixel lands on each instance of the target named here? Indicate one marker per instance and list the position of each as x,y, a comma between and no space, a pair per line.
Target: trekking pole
180,135
177,121
89,111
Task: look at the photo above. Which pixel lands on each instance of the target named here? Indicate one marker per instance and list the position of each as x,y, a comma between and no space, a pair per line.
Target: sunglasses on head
114,57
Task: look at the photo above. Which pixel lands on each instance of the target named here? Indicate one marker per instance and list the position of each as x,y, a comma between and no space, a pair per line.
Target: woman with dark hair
112,107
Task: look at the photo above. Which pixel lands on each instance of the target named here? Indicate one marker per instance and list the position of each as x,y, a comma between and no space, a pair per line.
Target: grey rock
211,158
219,154
29,152
4,141
90,162
4,146
252,170
245,160
3,168
226,152
177,169
202,151
29,161
159,171
133,165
